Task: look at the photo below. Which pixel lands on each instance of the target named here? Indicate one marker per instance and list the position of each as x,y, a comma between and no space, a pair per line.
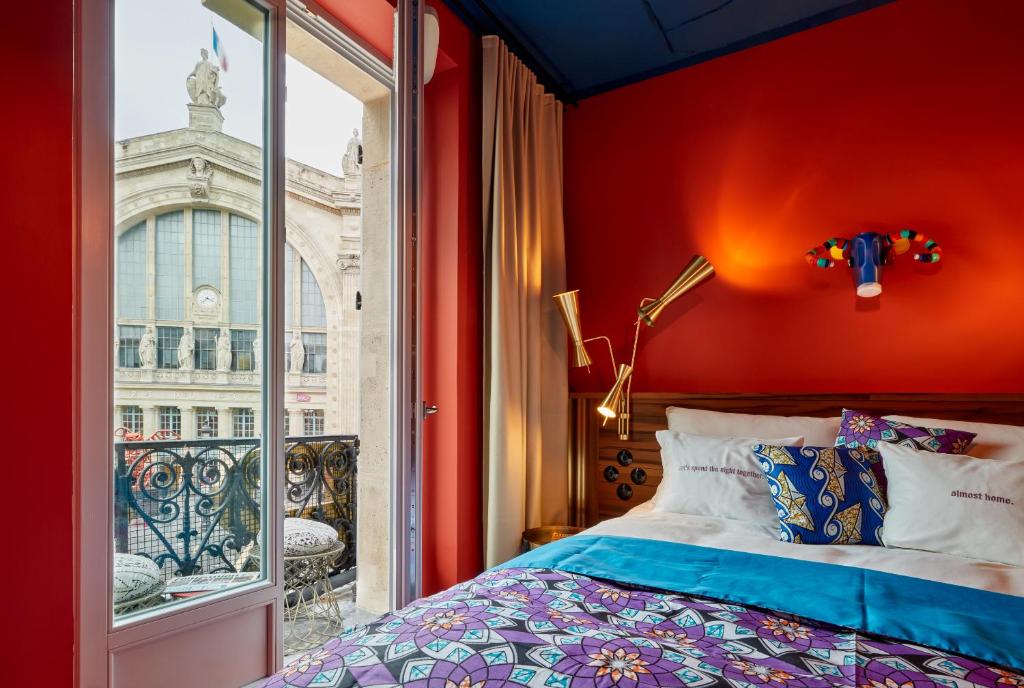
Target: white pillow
715,476
817,432
993,441
954,503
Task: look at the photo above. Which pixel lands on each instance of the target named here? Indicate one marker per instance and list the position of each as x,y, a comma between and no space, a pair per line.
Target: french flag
218,50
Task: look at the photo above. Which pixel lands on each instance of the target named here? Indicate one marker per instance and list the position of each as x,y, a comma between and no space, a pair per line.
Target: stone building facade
188,286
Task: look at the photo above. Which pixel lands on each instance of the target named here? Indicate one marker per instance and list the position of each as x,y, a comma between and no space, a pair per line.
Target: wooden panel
204,656
595,496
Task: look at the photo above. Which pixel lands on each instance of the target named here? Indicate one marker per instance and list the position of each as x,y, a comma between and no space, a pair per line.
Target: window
243,422
206,248
312,421
289,258
206,422
170,266
241,349
131,419
315,344
169,420
167,340
244,243
313,312
187,149
128,337
131,273
206,348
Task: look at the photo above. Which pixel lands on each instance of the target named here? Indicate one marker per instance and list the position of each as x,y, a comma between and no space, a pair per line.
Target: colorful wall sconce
867,252
616,404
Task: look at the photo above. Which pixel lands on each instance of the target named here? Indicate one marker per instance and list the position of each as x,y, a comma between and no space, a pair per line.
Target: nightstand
535,537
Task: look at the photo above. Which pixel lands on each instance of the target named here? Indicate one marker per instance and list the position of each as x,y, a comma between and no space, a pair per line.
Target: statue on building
224,351
198,176
203,84
186,349
352,160
257,353
298,353
147,348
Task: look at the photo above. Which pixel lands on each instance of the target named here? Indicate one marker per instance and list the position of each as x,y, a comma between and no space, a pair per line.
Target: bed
647,598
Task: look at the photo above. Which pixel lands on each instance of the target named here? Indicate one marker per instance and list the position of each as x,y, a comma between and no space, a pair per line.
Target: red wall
906,115
37,566
452,286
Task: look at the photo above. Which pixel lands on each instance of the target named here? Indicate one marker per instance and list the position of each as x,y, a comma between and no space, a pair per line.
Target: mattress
652,599
727,534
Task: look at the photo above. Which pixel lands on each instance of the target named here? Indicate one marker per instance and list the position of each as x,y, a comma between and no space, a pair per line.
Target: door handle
429,409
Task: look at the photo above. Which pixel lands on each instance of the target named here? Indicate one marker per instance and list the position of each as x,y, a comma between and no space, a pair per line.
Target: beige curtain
525,372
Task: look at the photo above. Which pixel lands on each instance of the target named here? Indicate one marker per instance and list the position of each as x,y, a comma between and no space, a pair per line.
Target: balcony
193,506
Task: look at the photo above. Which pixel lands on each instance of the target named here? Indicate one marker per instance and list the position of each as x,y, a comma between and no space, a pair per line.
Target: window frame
237,352
98,641
204,357
244,418
121,348
168,419
99,644
166,352
204,414
314,418
201,241
314,353
137,416
169,293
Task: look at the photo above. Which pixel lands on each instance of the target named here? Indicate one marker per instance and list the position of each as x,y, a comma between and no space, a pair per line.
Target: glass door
232,371
181,267
338,395
190,303
190,296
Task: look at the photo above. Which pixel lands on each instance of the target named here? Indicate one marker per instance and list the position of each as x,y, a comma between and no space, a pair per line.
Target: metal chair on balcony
311,612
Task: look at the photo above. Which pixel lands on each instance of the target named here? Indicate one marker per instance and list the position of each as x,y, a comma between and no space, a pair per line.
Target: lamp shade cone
698,271
609,407
569,306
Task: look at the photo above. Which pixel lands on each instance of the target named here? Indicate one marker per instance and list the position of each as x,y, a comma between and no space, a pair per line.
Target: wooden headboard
609,476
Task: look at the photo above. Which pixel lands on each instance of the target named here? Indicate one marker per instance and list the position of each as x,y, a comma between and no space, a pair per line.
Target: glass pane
338,150
189,308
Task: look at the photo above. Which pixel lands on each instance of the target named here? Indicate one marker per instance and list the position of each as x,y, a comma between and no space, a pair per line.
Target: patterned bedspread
546,628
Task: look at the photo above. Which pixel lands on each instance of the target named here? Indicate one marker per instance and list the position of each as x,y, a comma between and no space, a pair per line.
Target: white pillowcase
715,476
955,504
993,441
817,432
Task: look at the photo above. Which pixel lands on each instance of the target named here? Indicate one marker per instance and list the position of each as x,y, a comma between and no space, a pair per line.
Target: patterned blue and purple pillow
859,430
824,495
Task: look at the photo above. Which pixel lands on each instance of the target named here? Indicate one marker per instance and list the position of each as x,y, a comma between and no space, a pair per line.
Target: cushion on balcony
303,537
135,577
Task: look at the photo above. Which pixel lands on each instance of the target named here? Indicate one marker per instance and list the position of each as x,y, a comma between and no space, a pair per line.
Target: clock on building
207,298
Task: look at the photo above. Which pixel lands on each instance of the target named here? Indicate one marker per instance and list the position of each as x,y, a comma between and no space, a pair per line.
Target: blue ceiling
580,48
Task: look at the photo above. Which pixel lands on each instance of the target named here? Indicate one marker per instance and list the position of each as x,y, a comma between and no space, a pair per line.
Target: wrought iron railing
193,506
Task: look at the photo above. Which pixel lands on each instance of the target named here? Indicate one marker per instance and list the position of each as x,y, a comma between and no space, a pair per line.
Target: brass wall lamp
616,404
